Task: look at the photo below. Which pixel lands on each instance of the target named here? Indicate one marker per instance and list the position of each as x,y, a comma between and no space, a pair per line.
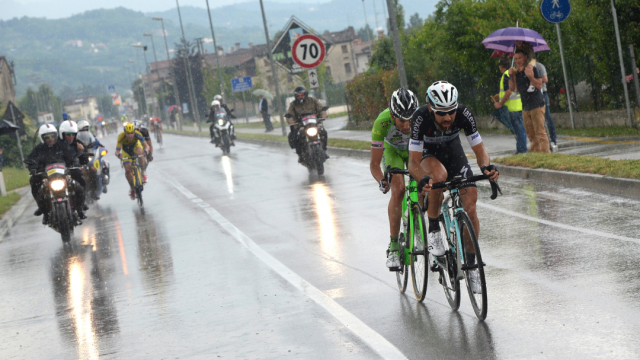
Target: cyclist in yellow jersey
131,142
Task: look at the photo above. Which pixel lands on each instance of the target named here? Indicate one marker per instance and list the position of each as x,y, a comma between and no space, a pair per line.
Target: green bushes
369,95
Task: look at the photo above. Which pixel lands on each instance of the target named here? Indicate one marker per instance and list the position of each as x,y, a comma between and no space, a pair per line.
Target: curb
600,183
16,211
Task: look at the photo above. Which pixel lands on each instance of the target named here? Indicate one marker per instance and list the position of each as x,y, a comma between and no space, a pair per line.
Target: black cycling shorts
452,156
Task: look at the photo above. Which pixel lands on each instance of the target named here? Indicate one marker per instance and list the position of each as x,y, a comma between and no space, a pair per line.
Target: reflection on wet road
248,256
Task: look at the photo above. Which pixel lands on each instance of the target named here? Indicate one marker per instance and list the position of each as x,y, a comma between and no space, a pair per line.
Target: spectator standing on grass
511,99
551,127
525,78
263,106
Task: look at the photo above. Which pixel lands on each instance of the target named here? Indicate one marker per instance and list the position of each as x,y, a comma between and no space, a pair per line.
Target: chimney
237,46
220,51
380,33
250,45
230,49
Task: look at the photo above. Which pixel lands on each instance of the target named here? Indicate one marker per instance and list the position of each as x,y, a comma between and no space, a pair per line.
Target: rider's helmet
47,129
218,97
65,117
83,125
215,103
68,126
442,95
129,128
403,104
301,93
137,124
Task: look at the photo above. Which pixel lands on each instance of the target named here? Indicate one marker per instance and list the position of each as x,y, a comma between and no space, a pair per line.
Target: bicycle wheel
478,301
447,269
403,274
419,265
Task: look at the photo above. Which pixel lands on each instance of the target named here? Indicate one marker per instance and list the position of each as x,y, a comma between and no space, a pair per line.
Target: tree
365,33
383,57
106,107
415,21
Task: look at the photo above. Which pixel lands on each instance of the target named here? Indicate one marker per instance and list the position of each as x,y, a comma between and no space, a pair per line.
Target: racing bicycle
457,229
138,181
413,234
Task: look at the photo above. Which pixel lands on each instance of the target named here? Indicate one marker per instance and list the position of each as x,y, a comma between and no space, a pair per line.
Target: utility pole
375,15
215,49
273,72
144,90
634,71
192,91
622,71
128,72
395,37
366,21
176,95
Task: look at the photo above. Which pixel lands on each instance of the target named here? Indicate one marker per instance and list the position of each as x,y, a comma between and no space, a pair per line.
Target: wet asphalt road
248,256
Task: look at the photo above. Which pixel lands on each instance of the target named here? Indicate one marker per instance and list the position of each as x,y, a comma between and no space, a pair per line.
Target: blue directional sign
555,11
112,89
241,84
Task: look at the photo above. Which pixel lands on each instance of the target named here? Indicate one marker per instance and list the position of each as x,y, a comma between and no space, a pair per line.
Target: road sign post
241,85
555,12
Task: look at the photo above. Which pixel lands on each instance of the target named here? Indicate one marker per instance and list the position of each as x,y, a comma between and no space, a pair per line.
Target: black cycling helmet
403,104
301,93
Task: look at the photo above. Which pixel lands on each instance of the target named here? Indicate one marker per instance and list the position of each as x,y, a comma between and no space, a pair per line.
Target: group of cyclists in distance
425,140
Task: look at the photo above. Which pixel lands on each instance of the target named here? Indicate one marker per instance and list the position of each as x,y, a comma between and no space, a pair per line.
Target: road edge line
373,339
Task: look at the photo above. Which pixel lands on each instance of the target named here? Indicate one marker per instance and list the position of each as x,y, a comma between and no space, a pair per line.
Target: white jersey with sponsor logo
425,132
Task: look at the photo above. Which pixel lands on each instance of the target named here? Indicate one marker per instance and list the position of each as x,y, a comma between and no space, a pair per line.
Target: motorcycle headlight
312,131
103,153
90,159
220,122
57,185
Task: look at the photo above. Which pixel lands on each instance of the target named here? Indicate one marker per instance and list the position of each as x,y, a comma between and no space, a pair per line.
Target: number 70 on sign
308,51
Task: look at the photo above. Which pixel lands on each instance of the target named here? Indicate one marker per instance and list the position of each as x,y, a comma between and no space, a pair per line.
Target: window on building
345,49
347,68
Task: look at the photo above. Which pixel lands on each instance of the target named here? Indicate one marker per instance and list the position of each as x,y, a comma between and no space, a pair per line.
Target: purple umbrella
504,39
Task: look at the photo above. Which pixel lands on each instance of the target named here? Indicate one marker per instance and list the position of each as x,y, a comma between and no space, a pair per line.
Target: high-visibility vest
514,103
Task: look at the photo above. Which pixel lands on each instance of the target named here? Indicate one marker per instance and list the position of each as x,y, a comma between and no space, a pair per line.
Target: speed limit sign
308,51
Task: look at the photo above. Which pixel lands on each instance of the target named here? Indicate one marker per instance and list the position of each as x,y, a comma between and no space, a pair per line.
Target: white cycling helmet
442,95
83,125
68,126
218,97
215,103
403,104
46,129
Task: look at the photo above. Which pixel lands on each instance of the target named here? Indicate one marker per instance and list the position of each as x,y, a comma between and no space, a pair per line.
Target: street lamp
176,95
155,58
215,49
192,90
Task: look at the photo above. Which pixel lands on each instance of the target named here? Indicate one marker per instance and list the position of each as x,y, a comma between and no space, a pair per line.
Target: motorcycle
313,154
96,171
222,131
62,217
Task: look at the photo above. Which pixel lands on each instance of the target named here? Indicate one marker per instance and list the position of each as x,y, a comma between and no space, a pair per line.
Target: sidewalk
498,144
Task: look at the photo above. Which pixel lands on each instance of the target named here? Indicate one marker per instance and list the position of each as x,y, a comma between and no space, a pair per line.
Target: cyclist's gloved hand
490,169
424,182
150,157
384,186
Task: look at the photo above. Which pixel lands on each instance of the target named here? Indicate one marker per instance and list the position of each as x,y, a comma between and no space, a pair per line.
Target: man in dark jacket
263,106
303,104
50,152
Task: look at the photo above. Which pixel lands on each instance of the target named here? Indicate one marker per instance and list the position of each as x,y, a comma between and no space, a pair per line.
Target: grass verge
15,178
612,131
331,116
6,202
629,169
341,143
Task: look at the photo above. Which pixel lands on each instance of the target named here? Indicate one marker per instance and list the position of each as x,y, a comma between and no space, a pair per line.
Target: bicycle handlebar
459,180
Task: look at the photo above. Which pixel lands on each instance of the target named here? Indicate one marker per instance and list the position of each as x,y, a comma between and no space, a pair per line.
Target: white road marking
559,225
374,340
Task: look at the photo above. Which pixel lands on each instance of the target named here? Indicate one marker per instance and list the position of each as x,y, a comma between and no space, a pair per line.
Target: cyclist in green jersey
389,144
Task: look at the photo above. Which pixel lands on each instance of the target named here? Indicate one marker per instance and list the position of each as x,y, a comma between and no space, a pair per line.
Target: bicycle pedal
396,269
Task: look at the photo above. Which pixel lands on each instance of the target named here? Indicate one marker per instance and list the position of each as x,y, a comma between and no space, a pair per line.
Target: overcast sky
54,9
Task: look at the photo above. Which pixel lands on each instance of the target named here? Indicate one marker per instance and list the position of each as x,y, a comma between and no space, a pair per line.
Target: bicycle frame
452,206
410,203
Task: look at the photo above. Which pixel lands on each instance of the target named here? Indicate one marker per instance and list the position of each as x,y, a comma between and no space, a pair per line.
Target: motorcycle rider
86,137
225,107
52,151
216,107
303,104
68,133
